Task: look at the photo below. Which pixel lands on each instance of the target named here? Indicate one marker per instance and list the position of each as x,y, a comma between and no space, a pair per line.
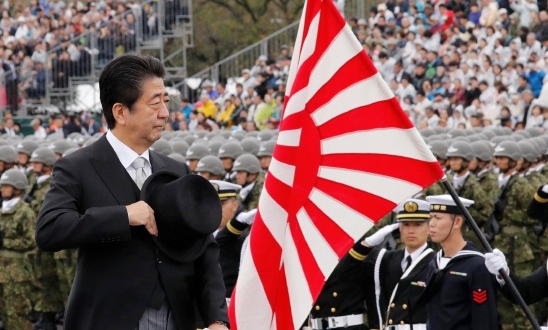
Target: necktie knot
138,163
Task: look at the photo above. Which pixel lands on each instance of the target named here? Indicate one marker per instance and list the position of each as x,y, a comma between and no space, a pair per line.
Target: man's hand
216,326
378,237
140,214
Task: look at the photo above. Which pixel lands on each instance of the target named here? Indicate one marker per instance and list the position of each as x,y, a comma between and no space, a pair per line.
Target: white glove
247,217
495,261
545,188
543,328
378,237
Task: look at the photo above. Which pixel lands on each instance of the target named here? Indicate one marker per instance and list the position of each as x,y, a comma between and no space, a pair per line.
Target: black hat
187,211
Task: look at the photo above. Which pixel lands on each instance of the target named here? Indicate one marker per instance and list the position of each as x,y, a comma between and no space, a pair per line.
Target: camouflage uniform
489,182
16,275
480,210
252,199
515,241
48,298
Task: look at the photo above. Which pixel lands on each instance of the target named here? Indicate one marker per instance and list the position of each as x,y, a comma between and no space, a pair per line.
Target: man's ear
120,114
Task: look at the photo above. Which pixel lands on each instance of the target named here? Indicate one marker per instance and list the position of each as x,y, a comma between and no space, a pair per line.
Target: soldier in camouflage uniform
194,154
265,154
48,297
516,226
210,167
17,226
459,155
439,149
24,150
482,169
228,153
251,178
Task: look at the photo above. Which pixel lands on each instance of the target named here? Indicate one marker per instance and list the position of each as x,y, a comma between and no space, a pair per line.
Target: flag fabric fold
346,155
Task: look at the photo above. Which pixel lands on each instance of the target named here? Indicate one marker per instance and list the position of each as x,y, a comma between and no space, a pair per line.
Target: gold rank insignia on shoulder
411,207
458,273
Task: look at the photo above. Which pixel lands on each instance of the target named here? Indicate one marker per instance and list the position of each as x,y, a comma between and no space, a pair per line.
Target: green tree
222,27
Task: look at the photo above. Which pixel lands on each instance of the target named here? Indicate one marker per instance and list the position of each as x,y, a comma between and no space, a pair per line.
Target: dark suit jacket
119,265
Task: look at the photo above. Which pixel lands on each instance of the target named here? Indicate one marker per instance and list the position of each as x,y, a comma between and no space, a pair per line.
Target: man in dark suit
123,279
400,275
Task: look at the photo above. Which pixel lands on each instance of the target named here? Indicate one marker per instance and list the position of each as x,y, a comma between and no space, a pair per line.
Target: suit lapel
156,162
112,173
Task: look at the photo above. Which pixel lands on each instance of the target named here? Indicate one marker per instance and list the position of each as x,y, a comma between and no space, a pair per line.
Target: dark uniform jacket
230,240
344,291
532,288
463,294
119,267
403,309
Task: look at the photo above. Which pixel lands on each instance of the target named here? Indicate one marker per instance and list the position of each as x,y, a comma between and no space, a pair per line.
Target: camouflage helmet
438,148
196,152
253,134
266,149
178,157
522,132
460,149
453,133
214,147
226,134
542,145
77,138
8,154
189,139
15,178
180,147
426,132
534,131
60,146
528,151
248,163
43,155
495,141
508,149
482,151
26,147
237,136
211,164
230,149
167,135
265,135
489,133
517,137
250,145
201,141
162,147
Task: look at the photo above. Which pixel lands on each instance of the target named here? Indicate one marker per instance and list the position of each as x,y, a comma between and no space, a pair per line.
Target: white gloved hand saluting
495,261
378,237
247,217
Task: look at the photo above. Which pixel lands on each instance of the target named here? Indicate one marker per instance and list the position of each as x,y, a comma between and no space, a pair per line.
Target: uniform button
392,305
335,294
333,310
390,321
317,307
404,306
402,322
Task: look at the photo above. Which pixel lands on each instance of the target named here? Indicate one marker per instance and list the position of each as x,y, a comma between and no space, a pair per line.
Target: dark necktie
409,260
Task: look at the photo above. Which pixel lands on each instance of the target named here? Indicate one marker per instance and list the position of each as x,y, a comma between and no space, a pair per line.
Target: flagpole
488,248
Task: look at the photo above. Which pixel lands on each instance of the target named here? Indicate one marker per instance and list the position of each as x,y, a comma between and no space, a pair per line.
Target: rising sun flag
346,155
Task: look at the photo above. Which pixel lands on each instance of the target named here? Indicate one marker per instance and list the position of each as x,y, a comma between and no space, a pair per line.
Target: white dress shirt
126,155
413,255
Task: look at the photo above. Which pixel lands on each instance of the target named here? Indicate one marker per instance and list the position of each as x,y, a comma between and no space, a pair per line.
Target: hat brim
199,208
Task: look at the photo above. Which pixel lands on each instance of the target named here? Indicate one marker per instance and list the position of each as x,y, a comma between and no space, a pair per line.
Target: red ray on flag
346,155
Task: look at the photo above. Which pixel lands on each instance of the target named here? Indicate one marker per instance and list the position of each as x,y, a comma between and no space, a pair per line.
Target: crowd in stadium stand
73,31
456,64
